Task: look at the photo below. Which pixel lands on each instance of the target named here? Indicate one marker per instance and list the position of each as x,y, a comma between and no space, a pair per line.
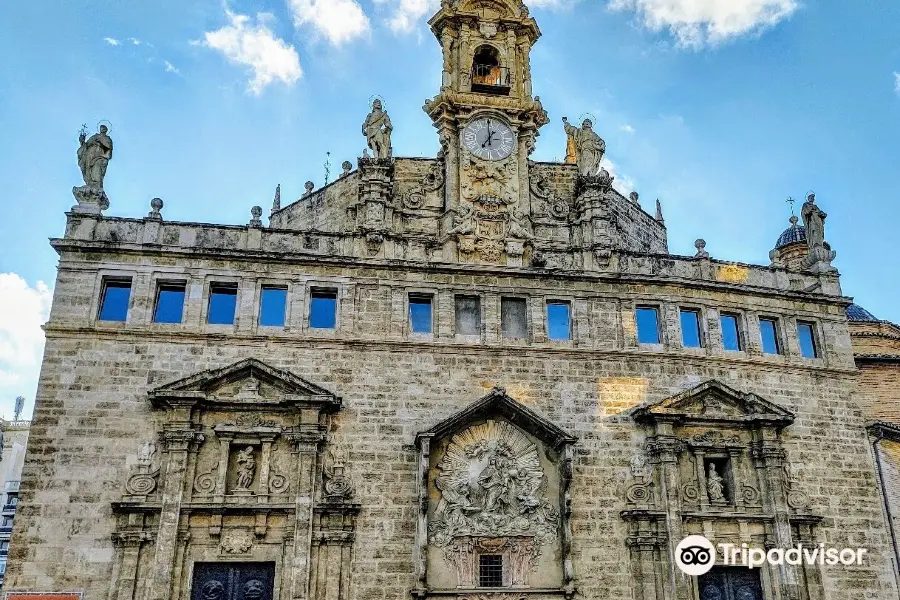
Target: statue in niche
589,147
246,468
377,129
94,154
813,223
715,485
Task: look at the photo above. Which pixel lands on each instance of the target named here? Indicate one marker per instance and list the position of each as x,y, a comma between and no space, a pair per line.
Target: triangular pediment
714,401
498,404
249,381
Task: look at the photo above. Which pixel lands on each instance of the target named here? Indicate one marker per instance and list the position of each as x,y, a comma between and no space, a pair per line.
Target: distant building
14,435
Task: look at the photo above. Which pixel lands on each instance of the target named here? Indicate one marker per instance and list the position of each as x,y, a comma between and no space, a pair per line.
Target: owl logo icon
695,555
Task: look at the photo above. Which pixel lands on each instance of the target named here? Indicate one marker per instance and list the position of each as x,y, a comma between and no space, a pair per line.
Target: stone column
465,67
419,554
305,440
179,442
663,450
376,184
769,457
125,577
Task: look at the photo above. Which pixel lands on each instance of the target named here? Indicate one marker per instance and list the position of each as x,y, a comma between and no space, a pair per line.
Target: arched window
488,76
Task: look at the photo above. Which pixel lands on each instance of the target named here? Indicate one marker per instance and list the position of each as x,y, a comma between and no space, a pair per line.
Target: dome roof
855,312
793,234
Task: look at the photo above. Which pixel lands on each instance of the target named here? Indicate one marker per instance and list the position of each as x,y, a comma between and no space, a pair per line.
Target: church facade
473,377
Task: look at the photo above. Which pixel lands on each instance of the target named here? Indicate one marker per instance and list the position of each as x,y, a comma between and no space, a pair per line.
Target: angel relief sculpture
492,484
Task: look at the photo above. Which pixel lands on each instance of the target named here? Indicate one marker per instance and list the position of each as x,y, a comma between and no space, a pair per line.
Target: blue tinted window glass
558,321
420,314
272,304
807,340
647,325
731,337
323,310
769,335
114,305
690,329
169,304
222,304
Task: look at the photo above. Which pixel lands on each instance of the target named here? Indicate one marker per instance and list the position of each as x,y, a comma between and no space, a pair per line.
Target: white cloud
338,20
269,58
623,182
112,41
897,82
135,41
626,128
170,68
408,13
23,309
695,23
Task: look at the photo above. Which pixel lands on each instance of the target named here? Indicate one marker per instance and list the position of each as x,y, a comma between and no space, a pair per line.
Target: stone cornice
432,347
624,277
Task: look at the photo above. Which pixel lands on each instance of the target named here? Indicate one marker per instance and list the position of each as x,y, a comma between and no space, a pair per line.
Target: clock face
489,138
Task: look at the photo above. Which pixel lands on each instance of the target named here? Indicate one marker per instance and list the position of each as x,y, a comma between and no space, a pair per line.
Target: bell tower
487,121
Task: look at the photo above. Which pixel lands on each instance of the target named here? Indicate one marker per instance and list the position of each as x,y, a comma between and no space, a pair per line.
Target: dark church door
233,581
724,583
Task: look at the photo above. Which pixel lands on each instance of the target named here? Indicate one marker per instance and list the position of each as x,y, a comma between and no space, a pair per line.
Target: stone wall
92,412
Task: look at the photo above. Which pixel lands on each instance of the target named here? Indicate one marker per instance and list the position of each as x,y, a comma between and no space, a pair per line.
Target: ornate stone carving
278,483
377,129
715,485
556,207
700,245
750,495
237,542
690,491
588,146
205,483
142,483
490,180
517,225
432,181
492,484
246,470
338,486
639,465
156,206
796,498
640,493
146,453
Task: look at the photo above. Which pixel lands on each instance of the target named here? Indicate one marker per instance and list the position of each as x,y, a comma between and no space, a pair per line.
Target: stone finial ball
309,186
347,165
156,204
634,196
700,244
256,211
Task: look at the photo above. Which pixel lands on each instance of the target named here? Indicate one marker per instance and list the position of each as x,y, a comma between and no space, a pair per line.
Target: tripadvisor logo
696,555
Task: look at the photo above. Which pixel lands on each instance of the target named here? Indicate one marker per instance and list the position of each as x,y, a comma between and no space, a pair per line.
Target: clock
489,138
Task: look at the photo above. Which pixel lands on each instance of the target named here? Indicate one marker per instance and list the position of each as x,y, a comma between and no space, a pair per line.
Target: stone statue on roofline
377,129
94,154
588,146
820,254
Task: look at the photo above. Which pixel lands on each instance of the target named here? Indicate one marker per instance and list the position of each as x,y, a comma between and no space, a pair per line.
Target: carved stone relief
432,181
337,485
492,484
237,542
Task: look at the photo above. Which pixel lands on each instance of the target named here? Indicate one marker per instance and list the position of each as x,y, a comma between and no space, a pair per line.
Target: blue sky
720,108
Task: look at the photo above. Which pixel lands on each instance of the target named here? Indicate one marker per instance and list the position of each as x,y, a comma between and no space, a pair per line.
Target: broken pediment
498,404
248,382
714,401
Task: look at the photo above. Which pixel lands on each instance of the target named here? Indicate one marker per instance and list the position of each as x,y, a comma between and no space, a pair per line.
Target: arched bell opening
488,75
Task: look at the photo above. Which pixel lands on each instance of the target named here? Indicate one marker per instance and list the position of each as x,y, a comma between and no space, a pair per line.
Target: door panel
730,583
233,581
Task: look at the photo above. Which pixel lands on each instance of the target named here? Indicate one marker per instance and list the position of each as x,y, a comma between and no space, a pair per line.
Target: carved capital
182,440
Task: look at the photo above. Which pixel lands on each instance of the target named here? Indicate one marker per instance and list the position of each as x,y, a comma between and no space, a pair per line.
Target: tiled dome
793,234
855,312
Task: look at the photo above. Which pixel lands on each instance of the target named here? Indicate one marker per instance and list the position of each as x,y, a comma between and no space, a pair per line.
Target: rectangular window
4,546
690,329
513,318
558,321
420,319
222,303
490,570
647,318
272,306
169,303
731,333
323,309
114,299
807,337
12,499
468,315
768,331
